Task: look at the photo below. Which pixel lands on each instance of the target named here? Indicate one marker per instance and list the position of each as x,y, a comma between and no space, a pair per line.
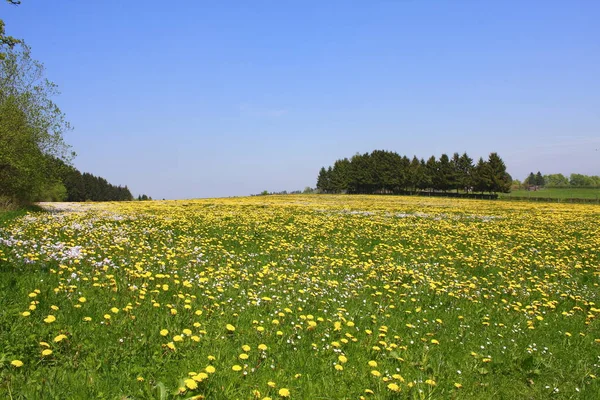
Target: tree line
560,180
384,171
73,185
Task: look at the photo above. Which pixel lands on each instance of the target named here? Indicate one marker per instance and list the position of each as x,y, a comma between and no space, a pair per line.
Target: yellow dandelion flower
210,369
200,376
283,392
230,328
262,347
191,384
16,363
164,332
50,319
59,338
236,368
46,352
393,387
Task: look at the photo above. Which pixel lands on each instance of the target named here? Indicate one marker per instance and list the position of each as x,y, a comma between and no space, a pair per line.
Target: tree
323,180
21,177
340,176
431,168
530,180
500,179
539,179
443,179
33,127
465,172
556,180
482,177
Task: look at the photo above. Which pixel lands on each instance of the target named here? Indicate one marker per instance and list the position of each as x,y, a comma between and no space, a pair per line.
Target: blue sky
190,99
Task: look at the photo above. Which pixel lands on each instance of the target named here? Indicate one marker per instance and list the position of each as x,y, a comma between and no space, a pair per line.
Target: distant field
301,297
566,193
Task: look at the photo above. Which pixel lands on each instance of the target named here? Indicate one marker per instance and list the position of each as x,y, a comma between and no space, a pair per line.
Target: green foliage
31,128
387,172
22,164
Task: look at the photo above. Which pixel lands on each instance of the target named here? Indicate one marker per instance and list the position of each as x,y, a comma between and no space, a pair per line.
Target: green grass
452,299
554,193
8,215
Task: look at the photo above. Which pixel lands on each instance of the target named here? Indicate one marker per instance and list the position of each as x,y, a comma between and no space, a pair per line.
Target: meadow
556,193
302,297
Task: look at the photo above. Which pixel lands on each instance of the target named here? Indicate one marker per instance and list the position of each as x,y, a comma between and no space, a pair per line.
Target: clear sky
185,99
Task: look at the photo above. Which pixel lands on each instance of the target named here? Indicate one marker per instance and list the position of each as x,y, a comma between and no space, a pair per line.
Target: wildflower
343,359
191,384
230,328
82,299
372,363
200,377
283,392
457,385
246,348
375,373
59,338
393,387
164,332
262,347
243,356
50,319
46,352
236,368
338,367
210,369
26,313
16,363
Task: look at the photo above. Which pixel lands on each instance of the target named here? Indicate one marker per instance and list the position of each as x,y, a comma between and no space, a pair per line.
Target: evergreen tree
432,169
500,179
444,176
323,180
539,179
465,172
482,177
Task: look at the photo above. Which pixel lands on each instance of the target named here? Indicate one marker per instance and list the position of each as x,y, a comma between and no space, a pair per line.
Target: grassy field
555,193
302,297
